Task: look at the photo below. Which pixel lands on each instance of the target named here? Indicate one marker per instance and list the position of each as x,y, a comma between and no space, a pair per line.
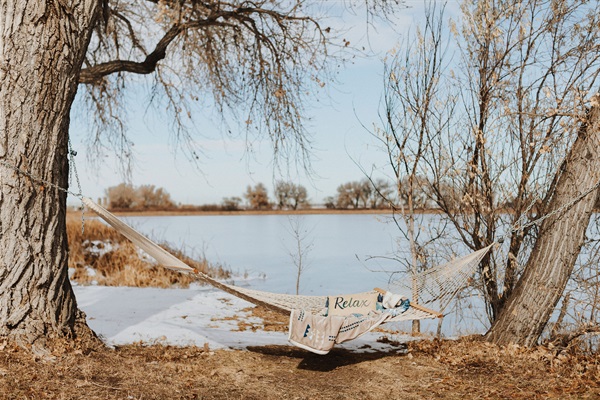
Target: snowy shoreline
187,317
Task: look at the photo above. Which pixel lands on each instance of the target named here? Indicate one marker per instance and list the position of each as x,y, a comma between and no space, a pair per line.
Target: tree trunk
42,47
561,236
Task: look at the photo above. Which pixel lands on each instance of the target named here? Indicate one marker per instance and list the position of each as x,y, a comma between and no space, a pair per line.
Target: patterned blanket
319,334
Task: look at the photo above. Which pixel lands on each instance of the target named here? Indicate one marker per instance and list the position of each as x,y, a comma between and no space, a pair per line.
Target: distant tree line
144,197
286,196
374,194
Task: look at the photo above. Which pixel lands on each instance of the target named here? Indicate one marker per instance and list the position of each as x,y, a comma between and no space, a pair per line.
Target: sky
337,121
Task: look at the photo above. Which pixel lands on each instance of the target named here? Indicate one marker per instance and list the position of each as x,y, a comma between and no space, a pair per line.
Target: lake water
347,253
261,246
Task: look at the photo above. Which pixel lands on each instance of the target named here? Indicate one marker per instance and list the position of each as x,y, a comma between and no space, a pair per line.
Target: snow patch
98,247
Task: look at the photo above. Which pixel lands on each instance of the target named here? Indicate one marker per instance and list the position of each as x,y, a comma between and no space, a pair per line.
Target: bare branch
96,73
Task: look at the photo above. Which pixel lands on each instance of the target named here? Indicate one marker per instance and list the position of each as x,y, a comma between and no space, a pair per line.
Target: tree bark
561,236
42,47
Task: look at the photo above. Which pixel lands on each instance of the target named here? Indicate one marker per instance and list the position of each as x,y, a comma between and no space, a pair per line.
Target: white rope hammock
440,282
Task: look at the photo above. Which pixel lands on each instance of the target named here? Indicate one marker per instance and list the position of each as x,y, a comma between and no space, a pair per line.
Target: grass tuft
100,255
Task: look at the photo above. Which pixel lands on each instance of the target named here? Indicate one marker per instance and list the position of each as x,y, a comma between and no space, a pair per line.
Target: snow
185,317
98,247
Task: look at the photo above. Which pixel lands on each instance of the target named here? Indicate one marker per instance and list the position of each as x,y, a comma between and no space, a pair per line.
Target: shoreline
184,212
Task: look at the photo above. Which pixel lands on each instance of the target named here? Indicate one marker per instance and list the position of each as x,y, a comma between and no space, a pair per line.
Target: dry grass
104,256
263,320
460,370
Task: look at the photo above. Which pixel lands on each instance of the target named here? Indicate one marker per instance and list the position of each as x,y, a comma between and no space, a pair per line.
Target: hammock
438,284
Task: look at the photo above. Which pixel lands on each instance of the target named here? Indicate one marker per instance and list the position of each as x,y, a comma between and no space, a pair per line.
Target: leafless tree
290,195
257,197
121,196
152,197
412,118
127,196
254,62
504,120
302,245
231,203
349,194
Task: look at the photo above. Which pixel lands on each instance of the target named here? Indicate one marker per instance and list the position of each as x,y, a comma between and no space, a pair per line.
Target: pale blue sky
339,140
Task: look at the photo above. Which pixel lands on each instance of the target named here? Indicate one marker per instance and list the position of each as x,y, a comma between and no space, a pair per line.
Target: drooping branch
95,73
250,63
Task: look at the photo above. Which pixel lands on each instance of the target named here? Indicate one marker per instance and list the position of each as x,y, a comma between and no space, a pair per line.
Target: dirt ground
464,369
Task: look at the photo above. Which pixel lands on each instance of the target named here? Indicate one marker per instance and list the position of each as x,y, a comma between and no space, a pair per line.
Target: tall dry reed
103,256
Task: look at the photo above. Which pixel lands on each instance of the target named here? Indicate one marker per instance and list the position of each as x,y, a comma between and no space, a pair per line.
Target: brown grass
267,320
123,264
460,370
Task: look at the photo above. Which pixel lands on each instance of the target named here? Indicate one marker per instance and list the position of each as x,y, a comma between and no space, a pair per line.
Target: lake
344,253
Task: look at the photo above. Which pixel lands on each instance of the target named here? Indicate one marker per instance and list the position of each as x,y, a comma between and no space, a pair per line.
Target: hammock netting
438,284
441,283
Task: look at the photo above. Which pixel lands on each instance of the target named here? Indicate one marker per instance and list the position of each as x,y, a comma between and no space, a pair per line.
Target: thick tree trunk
561,236
42,46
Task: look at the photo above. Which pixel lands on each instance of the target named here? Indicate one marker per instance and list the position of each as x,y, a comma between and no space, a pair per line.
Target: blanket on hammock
319,333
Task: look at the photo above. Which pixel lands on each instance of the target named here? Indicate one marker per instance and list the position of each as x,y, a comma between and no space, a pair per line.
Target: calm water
347,254
261,246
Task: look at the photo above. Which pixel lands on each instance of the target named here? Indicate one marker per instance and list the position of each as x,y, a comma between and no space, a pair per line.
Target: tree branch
563,340
94,74
97,72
